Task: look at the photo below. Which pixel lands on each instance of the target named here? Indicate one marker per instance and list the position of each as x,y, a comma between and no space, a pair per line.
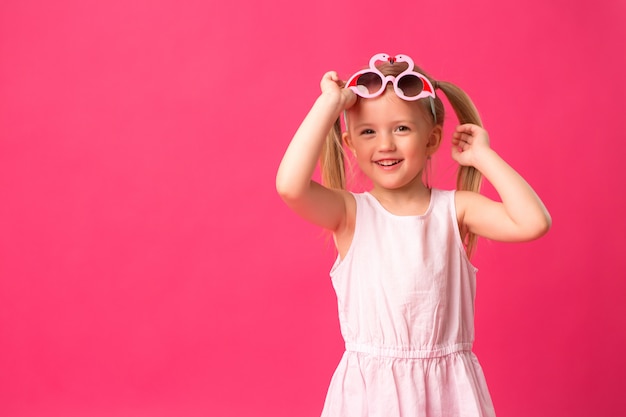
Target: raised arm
520,216
312,201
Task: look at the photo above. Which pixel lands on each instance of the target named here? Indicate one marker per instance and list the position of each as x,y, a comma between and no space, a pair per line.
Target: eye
402,129
367,132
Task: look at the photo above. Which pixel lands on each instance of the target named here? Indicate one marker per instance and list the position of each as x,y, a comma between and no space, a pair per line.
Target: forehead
385,107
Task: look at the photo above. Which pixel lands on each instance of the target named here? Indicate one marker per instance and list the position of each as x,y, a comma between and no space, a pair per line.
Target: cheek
413,146
362,155
365,148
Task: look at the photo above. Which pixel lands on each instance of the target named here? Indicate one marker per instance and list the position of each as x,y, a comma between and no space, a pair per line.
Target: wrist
333,99
484,158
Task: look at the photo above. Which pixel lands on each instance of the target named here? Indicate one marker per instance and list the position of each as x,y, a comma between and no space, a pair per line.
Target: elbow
284,192
540,227
282,184
286,189
531,228
282,188
547,224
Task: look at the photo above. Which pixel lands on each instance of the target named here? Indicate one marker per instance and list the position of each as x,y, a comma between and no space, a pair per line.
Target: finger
456,154
330,76
350,96
467,129
330,80
461,131
460,149
467,126
462,138
460,135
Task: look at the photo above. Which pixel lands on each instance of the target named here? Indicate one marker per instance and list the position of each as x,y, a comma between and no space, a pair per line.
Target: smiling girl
404,282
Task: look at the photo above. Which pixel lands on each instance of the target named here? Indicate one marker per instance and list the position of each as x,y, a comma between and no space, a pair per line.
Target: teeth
387,163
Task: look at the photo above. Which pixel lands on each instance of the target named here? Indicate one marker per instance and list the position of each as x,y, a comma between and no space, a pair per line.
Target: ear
347,139
434,140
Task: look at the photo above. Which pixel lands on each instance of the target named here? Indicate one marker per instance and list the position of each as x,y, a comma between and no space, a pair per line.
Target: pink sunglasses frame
427,91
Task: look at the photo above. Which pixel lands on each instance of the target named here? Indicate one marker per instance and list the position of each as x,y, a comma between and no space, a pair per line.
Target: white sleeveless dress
405,291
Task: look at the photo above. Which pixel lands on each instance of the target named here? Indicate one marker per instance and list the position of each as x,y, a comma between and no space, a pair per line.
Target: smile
388,162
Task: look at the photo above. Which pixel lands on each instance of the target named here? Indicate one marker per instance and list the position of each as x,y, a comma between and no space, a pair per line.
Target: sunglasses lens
410,85
369,83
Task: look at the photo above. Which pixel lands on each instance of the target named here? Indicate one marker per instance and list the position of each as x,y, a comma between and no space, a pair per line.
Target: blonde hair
332,157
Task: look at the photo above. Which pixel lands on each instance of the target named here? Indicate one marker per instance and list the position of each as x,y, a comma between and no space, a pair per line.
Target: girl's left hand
468,141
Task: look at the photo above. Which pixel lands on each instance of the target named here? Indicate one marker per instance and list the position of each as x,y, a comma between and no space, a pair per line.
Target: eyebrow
393,122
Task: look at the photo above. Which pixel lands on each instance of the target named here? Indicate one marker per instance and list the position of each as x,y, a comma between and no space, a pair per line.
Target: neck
413,200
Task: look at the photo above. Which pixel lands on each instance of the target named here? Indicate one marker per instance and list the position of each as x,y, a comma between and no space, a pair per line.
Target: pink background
148,268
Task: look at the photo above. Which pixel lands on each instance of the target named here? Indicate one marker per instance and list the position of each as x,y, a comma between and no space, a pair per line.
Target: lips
388,162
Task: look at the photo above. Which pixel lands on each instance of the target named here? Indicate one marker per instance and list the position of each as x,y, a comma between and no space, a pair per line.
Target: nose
387,142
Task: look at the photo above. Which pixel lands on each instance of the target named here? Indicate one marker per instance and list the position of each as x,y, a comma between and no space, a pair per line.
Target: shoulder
444,202
441,193
463,200
441,197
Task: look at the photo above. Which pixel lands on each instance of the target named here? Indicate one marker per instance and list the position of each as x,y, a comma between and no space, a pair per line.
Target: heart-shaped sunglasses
408,85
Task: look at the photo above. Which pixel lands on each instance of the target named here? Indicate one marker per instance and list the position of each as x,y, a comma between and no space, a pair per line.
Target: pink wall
147,267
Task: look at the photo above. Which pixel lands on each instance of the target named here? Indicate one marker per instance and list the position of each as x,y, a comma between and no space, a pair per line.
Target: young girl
404,282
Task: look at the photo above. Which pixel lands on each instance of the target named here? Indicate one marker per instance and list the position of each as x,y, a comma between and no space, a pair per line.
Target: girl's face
391,140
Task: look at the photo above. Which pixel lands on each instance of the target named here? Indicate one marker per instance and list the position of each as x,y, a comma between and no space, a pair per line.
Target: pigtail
332,159
468,177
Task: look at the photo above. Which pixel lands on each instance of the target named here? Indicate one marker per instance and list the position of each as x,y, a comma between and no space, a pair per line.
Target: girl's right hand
331,85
